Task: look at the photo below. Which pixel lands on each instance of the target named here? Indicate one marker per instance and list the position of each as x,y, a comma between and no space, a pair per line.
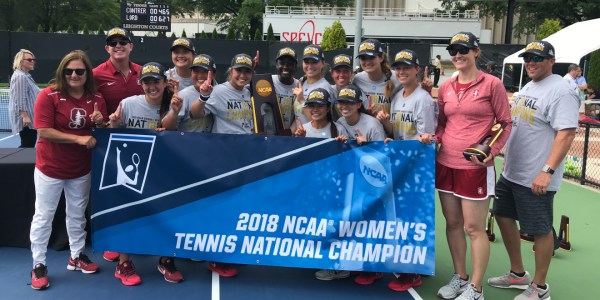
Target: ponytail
387,71
165,104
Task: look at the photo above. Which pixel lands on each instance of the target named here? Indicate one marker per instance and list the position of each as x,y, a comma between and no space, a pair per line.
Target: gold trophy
483,148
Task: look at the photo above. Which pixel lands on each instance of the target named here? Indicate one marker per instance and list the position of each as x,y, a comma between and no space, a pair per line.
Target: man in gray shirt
545,116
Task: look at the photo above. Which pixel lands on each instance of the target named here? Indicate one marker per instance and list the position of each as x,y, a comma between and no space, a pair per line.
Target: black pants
436,76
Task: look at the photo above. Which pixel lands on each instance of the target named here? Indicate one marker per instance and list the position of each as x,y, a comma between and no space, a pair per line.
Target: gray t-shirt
539,112
190,95
414,115
136,112
370,127
374,90
183,82
309,87
286,100
231,109
324,132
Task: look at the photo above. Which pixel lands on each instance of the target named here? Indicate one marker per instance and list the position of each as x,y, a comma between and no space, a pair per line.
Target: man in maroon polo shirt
118,77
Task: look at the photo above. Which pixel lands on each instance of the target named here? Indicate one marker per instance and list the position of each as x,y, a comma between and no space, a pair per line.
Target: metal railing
583,160
4,121
371,12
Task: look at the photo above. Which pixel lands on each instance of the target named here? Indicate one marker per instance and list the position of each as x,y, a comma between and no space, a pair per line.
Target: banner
265,200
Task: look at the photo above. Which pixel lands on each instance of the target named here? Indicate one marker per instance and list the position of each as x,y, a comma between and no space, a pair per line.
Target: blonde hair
18,62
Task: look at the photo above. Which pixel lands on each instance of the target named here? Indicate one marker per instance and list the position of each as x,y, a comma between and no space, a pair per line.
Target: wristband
203,98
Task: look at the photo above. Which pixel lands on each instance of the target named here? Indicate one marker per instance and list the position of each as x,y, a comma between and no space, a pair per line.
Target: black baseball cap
242,60
154,70
342,60
204,61
117,32
465,39
350,93
406,56
183,43
287,51
370,47
318,95
313,51
539,48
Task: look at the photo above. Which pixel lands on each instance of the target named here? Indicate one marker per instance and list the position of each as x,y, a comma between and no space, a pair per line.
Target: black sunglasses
29,59
120,42
79,72
461,50
534,58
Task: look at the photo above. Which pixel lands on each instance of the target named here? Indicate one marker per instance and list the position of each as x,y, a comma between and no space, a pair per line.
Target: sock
543,287
464,279
518,274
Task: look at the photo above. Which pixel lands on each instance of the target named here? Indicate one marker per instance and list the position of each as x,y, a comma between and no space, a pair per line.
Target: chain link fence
583,160
4,121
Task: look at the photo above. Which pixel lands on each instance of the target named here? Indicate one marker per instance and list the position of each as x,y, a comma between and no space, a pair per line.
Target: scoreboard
146,17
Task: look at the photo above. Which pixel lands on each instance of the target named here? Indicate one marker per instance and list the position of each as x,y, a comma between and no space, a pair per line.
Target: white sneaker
454,288
534,292
471,293
511,281
331,274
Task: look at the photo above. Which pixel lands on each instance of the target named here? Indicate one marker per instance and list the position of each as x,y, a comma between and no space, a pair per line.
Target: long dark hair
165,103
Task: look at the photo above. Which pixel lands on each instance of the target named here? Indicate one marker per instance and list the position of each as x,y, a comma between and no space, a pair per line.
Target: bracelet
203,98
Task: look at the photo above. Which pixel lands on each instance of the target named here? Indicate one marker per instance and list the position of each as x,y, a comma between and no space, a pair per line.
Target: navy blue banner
265,200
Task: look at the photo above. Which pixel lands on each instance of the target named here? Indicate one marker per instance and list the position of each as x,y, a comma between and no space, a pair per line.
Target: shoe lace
84,258
455,282
169,265
127,268
39,271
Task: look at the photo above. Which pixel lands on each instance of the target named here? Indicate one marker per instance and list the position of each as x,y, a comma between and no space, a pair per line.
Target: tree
230,34
593,75
100,30
246,33
173,35
40,28
20,29
86,30
548,28
334,37
532,14
257,35
214,34
183,35
270,34
203,35
69,29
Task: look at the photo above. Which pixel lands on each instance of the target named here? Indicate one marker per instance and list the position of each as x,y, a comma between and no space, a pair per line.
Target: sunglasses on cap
533,58
461,50
120,42
79,72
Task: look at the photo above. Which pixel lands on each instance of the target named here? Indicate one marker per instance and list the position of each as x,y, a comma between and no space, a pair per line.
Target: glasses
120,42
461,50
533,58
29,59
79,72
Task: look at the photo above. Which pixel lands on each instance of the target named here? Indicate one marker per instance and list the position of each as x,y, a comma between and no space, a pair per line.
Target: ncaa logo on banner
373,171
127,161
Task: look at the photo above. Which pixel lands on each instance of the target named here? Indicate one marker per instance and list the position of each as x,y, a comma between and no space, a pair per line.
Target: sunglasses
29,59
120,42
533,58
79,72
461,50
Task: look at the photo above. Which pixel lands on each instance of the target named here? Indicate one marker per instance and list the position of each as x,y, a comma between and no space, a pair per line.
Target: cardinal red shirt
69,115
116,86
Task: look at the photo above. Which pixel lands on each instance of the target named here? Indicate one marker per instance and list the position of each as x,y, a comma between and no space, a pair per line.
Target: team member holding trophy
470,104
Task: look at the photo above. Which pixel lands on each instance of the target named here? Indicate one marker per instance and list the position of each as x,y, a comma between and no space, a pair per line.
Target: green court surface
572,273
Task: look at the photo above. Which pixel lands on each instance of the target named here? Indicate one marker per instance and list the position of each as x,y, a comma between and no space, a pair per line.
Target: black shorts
514,201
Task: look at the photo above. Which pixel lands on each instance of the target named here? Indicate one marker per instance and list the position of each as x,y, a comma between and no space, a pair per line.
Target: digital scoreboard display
149,17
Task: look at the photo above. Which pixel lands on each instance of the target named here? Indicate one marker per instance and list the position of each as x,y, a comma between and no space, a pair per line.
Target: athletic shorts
518,202
470,184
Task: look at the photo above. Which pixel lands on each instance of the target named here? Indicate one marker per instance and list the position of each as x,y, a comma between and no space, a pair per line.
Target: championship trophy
483,148
268,119
490,227
563,233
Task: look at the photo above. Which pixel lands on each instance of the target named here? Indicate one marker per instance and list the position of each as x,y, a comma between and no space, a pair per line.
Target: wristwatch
547,169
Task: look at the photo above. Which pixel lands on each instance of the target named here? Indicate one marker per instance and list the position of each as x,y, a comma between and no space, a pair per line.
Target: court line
215,288
8,137
414,293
